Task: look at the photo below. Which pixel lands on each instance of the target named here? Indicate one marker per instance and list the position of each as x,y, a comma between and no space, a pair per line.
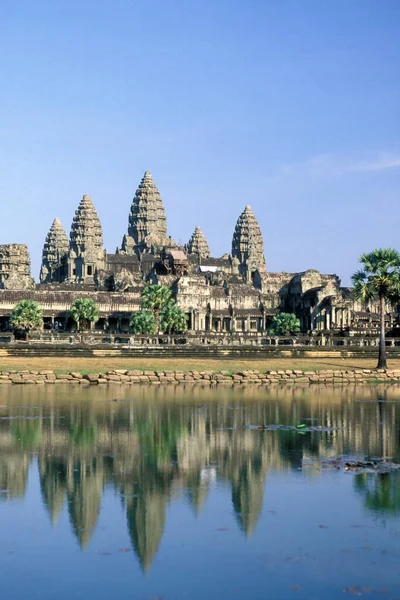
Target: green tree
142,321
84,311
156,298
379,279
27,317
284,323
173,319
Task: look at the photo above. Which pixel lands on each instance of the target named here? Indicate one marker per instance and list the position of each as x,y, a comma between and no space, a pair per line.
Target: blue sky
291,106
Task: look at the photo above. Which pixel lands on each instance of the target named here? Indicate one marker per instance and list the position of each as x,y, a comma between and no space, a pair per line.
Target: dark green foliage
159,312
284,323
27,316
379,276
173,319
84,311
142,322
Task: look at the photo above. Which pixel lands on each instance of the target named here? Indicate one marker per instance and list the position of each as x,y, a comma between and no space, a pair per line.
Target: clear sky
291,106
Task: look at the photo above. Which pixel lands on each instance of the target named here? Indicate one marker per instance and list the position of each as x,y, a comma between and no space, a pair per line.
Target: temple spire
247,244
147,222
54,256
198,244
86,242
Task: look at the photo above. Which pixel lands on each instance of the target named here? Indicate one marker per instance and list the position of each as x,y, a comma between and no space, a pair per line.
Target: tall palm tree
156,298
379,279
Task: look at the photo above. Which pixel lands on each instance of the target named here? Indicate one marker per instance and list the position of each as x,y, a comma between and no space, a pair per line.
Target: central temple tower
248,245
147,231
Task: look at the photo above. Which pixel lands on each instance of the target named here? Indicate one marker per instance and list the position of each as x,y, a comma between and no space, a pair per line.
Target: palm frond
359,276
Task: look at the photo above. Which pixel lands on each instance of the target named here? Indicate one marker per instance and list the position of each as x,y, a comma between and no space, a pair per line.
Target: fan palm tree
27,316
84,311
156,298
379,279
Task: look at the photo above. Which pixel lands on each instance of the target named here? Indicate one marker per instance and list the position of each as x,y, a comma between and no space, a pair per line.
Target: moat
188,493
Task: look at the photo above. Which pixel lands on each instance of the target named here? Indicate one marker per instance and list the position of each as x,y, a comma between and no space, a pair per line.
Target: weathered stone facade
147,231
198,245
15,267
86,254
229,294
55,254
247,245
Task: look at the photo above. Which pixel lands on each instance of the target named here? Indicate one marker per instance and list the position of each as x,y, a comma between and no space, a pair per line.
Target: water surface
173,493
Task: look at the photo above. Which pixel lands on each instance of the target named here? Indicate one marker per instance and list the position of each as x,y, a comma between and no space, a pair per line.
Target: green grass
101,364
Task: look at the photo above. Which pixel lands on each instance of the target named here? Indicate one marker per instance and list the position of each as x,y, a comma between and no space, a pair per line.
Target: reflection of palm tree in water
382,407
381,491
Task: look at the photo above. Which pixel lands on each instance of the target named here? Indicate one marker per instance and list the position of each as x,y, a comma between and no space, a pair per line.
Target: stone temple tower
147,231
86,254
247,245
55,254
198,244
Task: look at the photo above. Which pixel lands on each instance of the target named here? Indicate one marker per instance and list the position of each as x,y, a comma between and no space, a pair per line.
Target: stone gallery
232,293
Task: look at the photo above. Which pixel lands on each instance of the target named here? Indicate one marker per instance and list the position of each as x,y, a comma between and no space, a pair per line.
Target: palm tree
173,319
156,298
379,279
142,321
27,316
84,311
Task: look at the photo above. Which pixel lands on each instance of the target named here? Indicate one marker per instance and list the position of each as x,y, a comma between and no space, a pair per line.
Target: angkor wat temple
232,293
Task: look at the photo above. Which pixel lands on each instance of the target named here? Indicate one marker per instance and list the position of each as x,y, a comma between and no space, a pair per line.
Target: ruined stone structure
198,245
247,245
86,254
55,254
15,267
147,231
229,294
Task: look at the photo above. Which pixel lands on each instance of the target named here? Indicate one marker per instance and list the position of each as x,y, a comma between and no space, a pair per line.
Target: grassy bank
101,365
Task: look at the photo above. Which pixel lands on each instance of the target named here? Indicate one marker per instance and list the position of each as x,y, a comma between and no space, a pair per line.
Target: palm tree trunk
382,364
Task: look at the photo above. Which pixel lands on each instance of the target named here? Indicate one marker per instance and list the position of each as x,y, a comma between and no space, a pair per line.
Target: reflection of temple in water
149,452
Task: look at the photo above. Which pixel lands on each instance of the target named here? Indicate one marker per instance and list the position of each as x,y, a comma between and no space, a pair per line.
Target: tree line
158,313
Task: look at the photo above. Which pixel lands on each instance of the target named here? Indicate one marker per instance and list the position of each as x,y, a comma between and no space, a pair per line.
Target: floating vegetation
377,465
303,428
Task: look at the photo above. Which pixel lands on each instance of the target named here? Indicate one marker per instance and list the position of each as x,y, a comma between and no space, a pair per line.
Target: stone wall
255,377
